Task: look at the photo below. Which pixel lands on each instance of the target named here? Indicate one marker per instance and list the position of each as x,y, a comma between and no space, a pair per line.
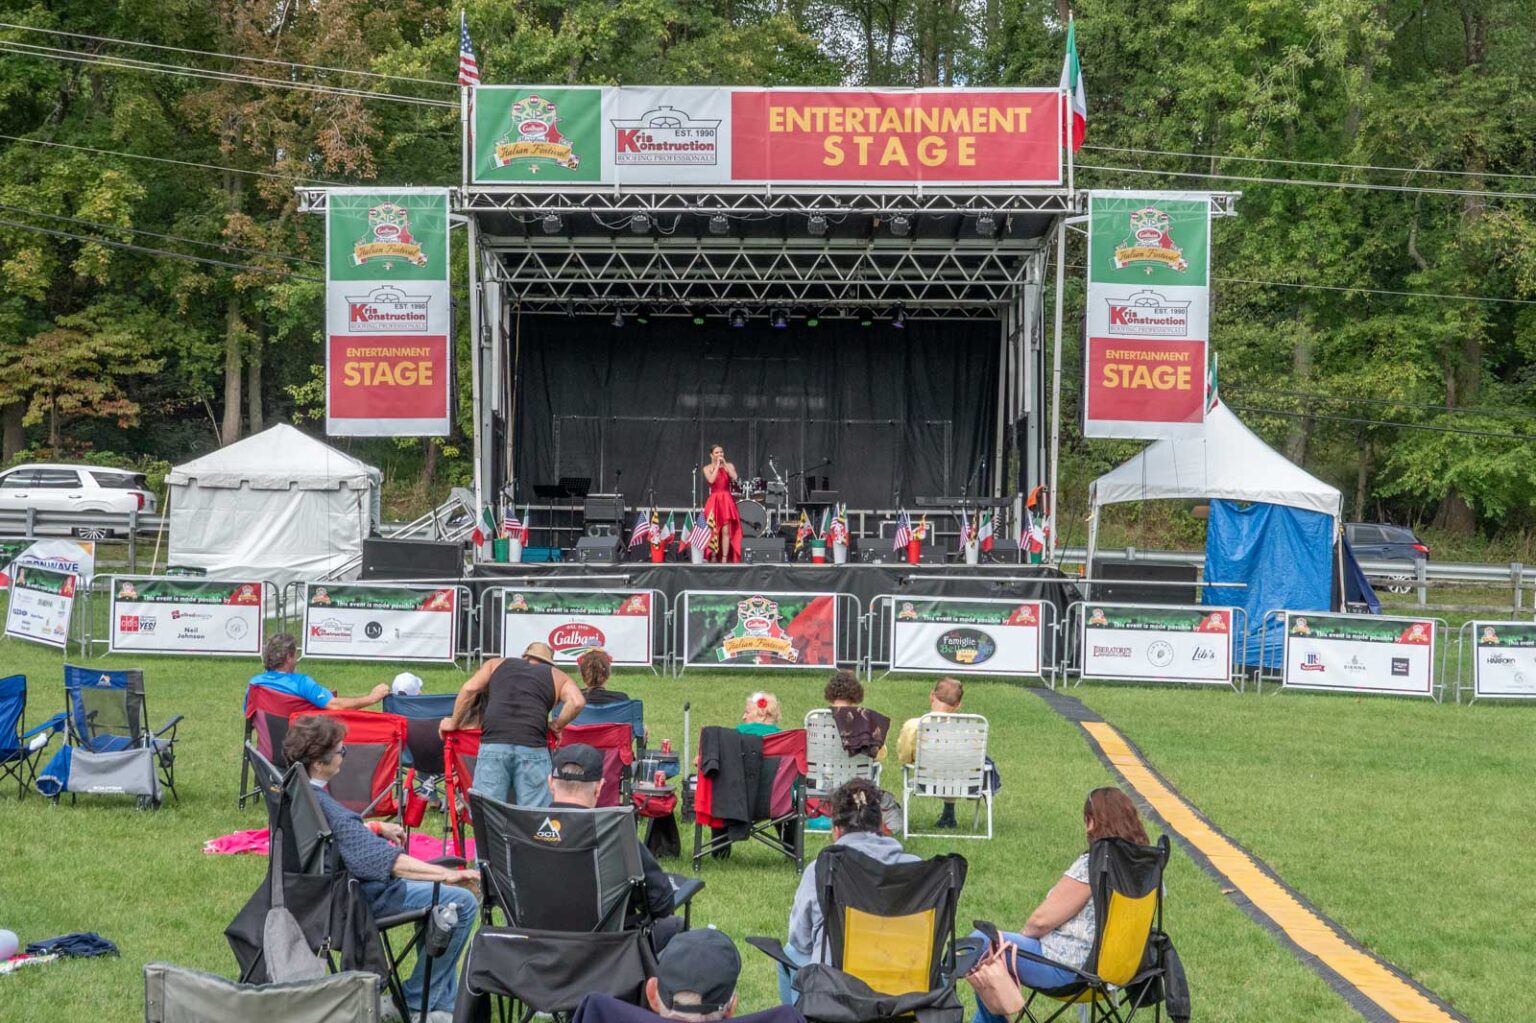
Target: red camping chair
460,748
369,780
266,724
617,743
780,824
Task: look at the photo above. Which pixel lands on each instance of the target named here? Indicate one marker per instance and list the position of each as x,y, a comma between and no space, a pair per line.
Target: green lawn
1429,843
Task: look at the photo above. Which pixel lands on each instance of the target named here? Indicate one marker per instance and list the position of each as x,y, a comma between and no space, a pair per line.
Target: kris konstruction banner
1157,643
685,136
953,635
1505,667
1148,317
380,623
572,621
186,616
759,630
1359,653
40,605
388,367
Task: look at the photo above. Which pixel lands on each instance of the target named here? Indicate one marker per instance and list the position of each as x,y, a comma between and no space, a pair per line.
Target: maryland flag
712,547
655,533
839,527
920,533
803,531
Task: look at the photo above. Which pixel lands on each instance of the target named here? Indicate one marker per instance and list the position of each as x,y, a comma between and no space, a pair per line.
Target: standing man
280,656
514,762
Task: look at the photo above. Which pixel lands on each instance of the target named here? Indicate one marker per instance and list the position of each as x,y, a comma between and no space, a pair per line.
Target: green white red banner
40,605
572,621
380,623
1359,653
965,636
185,616
723,629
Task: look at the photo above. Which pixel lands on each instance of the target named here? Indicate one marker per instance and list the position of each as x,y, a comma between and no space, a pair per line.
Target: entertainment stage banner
956,635
40,605
388,365
1359,653
1505,667
380,623
1148,315
759,630
571,621
1157,643
193,616
686,136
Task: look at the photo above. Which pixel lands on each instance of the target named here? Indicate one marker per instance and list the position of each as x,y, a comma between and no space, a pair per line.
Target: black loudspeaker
411,559
1003,551
597,550
932,553
1130,579
757,549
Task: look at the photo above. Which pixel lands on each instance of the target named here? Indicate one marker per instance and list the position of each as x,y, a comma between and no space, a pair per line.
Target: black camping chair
107,712
173,994
423,742
778,809
549,972
888,940
268,781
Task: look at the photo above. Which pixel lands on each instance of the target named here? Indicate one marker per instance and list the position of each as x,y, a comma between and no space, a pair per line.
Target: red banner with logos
1144,381
388,377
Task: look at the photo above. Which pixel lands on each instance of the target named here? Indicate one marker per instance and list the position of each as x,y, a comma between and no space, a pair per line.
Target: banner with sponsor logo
1505,666
388,366
571,621
40,605
1157,643
72,557
1148,315
380,623
957,635
1359,653
186,616
723,629
560,136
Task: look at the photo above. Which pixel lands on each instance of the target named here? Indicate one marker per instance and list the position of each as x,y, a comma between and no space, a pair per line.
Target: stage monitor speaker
411,559
760,549
932,554
603,510
597,550
1003,552
1129,578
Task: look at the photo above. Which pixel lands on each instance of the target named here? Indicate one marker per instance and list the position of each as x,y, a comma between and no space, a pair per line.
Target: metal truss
761,200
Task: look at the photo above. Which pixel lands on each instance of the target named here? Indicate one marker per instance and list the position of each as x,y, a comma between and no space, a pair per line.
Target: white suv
80,488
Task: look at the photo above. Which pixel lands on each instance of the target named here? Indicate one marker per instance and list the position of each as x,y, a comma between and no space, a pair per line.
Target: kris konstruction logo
1148,313
386,310
1149,242
665,137
389,239
534,137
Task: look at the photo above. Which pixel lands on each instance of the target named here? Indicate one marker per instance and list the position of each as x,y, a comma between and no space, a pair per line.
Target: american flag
965,528
698,537
837,532
903,533
642,530
469,68
511,525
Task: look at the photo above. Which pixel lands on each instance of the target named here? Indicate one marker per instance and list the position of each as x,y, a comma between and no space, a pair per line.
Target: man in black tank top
514,763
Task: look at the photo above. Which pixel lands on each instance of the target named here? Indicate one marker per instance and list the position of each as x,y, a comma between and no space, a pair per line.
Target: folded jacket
80,944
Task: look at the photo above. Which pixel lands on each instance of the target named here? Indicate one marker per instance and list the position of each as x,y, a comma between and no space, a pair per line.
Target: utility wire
1423,406
224,246
1458,430
1359,186
1331,165
146,250
164,159
1360,290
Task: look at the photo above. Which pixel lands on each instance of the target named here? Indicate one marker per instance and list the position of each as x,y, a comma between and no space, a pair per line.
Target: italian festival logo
534,136
1149,242
388,238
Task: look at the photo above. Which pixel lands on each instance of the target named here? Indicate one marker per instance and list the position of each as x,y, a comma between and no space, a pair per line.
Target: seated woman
392,881
1061,927
862,730
761,716
596,667
856,824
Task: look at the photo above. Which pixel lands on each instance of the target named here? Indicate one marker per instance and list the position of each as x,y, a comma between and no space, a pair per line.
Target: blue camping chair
630,712
423,742
21,747
106,714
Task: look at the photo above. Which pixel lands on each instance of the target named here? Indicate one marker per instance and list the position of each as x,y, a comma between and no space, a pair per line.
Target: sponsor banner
554,136
186,616
954,635
388,366
72,557
380,623
1359,653
1143,388
571,621
760,630
1157,643
1506,660
40,605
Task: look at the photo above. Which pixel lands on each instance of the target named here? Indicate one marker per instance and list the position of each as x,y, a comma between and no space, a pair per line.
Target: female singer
725,545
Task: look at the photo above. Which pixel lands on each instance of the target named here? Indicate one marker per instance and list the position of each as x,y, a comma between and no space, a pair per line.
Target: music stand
568,491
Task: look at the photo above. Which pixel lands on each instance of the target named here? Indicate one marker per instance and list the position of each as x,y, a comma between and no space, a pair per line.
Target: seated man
280,655
695,978
944,699
575,785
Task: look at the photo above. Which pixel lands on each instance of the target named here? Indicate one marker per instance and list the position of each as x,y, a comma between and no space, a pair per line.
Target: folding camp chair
950,764
600,1008
888,943
175,995
266,726
549,972
423,742
267,779
828,765
631,712
369,780
20,746
778,810
617,744
106,712
1115,982
461,747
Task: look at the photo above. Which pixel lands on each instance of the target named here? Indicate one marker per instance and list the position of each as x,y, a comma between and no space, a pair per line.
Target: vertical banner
571,621
380,623
1505,667
186,616
40,605
964,636
388,324
759,630
1359,653
1148,315
1156,643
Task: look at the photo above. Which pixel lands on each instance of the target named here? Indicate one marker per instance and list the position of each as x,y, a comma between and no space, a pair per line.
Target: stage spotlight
901,225
986,225
570,310
618,318
643,315
866,317
640,223
813,320
718,224
778,319
738,316
899,317
552,223
698,317
816,224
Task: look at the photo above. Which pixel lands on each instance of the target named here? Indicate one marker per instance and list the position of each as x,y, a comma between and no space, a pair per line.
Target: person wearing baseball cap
695,978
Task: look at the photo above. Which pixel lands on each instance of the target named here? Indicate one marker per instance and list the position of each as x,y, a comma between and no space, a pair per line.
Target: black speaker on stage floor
758,549
597,550
411,559
1003,551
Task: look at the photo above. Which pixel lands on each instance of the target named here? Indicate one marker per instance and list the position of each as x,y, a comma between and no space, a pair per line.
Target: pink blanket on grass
423,847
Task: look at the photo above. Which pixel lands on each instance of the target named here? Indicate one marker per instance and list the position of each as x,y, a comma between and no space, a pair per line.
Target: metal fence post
1421,573
133,539
1517,573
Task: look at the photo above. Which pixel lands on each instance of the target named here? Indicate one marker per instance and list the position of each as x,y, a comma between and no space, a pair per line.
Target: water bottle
445,917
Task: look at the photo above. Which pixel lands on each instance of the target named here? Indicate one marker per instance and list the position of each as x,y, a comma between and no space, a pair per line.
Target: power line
1512,413
1360,186
146,250
1459,430
225,246
164,159
1361,290
1315,163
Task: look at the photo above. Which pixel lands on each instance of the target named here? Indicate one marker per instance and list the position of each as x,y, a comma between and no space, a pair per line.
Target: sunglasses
341,752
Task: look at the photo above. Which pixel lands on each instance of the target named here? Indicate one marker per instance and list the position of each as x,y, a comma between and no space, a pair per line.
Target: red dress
721,507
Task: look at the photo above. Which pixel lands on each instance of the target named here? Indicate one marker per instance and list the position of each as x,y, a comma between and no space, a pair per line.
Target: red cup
666,745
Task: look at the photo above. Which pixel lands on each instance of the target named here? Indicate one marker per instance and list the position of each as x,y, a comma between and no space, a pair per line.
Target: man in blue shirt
281,656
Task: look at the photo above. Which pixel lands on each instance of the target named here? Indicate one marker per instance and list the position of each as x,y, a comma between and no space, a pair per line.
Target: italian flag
1072,82
985,533
486,527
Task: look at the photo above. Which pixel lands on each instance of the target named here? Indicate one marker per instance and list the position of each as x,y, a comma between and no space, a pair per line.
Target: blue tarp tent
1272,526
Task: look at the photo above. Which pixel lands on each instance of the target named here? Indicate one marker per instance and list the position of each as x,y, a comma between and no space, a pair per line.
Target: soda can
661,779
666,745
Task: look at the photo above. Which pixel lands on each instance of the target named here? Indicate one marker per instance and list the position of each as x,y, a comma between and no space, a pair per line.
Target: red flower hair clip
762,703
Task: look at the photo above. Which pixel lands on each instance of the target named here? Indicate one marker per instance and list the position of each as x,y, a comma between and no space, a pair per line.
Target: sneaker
946,821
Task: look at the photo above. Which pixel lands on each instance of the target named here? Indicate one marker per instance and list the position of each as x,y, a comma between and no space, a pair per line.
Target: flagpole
1061,279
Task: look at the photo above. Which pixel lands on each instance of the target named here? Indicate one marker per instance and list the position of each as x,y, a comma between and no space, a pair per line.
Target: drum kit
760,502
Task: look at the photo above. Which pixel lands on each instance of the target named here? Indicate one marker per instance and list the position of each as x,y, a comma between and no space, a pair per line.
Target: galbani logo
1148,313
577,636
386,310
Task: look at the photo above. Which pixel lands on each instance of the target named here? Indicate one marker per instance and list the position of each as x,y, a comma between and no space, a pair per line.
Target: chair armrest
170,726
55,723
684,889
456,862
773,948
1020,953
410,916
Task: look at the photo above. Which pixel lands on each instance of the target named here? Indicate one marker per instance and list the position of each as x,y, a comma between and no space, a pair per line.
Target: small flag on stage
965,528
685,534
485,529
984,534
667,532
802,531
641,531
511,525
469,67
903,535
699,535
839,527
921,530
826,522
1031,536
1077,98
527,520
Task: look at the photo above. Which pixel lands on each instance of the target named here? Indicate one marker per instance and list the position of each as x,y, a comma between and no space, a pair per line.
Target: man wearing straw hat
514,763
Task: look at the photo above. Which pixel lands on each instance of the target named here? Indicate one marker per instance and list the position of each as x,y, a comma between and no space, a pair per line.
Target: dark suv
1377,541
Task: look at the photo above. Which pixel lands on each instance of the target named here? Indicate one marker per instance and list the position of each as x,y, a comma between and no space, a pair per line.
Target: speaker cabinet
597,550
759,549
411,559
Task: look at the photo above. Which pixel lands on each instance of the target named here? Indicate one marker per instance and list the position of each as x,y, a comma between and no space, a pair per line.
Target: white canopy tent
277,506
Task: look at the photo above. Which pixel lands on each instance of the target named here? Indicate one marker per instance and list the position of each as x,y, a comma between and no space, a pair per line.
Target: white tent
278,506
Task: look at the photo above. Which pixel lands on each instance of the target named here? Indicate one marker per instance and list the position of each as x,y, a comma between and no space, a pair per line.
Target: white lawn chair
951,764
828,766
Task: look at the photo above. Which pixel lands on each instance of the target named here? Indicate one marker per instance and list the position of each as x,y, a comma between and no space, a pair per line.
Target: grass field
1401,819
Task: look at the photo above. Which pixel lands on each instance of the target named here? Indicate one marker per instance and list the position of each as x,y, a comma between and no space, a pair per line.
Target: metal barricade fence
1074,628
92,624
1283,617
879,634
493,620
847,634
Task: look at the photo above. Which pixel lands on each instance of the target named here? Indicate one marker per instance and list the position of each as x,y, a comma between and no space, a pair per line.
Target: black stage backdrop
898,412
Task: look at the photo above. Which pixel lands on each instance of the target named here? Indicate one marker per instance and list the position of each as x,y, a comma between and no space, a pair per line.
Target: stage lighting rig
778,319
718,224
899,317
552,223
640,223
738,316
618,318
816,223
986,225
901,225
